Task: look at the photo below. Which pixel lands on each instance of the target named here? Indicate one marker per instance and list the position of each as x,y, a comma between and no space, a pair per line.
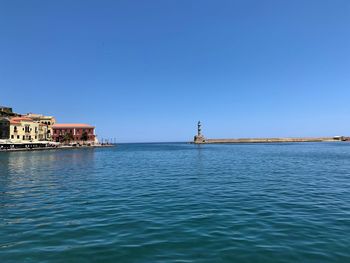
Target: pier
200,139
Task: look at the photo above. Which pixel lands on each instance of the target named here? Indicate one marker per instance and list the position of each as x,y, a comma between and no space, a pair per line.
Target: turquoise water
177,203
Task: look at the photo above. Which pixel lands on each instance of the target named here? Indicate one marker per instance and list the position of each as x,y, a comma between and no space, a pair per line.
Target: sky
147,71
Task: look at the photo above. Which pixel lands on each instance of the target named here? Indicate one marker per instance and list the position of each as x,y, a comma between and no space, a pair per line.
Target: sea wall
266,140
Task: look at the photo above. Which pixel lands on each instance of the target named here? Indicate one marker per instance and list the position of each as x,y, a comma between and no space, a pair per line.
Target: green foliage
68,137
84,136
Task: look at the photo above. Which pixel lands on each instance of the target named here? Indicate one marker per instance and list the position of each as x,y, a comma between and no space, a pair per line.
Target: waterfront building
24,129
46,123
4,128
74,133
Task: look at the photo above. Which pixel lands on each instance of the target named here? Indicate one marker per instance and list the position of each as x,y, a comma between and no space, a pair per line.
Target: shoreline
49,148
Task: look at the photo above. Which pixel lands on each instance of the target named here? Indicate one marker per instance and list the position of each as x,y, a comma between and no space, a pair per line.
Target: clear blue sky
148,70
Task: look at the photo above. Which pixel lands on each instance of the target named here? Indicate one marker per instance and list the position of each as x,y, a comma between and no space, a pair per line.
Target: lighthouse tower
199,138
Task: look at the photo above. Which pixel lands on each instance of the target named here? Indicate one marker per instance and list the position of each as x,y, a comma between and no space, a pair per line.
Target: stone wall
270,140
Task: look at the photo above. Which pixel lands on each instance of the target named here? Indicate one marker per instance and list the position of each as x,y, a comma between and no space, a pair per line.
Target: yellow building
46,125
24,129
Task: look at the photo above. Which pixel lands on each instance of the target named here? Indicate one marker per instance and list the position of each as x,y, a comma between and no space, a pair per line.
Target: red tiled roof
21,119
71,125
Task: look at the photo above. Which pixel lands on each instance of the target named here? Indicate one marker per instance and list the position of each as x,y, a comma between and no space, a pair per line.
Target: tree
84,136
68,137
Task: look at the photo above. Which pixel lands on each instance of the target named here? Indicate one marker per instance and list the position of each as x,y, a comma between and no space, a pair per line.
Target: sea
177,202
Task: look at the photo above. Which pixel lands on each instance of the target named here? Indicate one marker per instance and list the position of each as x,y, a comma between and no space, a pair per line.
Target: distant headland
200,139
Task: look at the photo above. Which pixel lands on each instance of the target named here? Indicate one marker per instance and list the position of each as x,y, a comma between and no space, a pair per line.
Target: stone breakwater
266,140
200,139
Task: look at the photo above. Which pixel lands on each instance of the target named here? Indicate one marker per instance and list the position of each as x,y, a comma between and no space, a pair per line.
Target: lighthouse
199,138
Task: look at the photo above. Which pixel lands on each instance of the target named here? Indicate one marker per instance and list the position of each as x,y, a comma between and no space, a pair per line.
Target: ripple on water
177,203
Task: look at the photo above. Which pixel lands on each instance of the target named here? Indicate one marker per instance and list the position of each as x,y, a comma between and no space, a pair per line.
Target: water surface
177,203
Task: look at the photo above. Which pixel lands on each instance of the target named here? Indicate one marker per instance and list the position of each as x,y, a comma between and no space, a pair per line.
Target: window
17,136
23,137
11,136
15,129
